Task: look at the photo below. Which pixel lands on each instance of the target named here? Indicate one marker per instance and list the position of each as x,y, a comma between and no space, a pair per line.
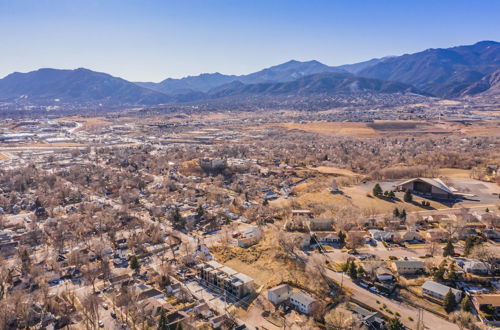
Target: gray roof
433,182
280,289
303,298
409,263
439,288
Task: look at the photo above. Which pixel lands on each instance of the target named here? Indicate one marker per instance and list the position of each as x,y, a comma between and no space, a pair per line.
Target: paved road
431,321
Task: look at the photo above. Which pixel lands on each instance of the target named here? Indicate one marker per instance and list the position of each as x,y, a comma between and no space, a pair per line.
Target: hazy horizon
154,40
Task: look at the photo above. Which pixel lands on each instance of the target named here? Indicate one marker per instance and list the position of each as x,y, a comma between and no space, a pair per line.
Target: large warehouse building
432,188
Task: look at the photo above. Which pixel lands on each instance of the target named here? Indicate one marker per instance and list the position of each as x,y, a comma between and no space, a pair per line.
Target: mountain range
445,73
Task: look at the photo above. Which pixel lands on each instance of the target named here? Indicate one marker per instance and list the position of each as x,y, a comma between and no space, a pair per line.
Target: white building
279,294
439,291
302,302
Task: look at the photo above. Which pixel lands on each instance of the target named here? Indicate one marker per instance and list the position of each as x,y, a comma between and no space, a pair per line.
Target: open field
394,127
335,171
4,156
454,173
89,123
333,128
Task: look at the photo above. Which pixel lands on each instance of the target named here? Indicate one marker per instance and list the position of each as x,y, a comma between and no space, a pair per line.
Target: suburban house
488,304
384,274
303,302
320,224
433,188
409,267
439,291
383,236
476,267
412,236
249,237
328,238
224,278
436,235
465,232
279,294
492,234
372,320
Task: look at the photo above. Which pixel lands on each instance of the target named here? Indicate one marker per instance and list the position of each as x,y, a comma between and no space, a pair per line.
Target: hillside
441,72
321,83
288,71
49,86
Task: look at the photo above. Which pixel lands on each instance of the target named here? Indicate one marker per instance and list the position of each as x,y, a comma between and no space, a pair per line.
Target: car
101,324
105,306
364,285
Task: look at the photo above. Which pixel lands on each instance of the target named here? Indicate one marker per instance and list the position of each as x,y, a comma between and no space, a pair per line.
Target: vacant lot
88,123
360,130
398,127
335,171
4,156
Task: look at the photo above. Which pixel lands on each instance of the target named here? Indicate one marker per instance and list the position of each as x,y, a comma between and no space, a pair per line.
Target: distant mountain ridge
320,83
288,71
447,73
441,72
44,86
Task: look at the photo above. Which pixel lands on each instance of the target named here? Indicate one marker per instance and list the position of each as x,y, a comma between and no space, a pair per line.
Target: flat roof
488,299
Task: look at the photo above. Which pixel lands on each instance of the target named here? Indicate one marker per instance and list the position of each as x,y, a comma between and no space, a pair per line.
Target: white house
476,267
304,303
439,291
279,294
384,274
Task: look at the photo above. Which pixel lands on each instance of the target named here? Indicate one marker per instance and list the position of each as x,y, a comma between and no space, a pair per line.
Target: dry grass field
4,156
454,173
334,171
397,128
333,128
91,123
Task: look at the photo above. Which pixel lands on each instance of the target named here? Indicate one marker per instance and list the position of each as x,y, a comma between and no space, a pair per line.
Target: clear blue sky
148,40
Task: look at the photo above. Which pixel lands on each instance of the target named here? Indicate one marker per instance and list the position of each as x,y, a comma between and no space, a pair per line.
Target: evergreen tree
135,264
452,274
200,211
377,190
439,272
395,324
402,215
466,304
342,237
448,250
396,213
177,219
361,271
163,322
469,244
408,197
352,271
265,202
392,195
449,302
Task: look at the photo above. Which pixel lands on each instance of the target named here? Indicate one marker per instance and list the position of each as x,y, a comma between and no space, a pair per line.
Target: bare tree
90,310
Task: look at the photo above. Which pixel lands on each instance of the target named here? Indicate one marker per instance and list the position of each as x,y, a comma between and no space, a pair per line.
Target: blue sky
149,40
